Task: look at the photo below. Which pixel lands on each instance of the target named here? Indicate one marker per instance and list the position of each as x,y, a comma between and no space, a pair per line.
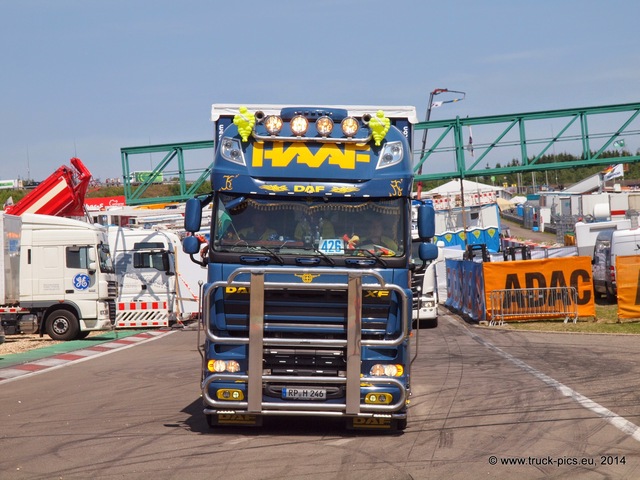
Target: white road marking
613,418
11,374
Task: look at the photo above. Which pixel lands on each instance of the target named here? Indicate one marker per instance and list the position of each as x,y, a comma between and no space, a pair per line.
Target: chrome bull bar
352,344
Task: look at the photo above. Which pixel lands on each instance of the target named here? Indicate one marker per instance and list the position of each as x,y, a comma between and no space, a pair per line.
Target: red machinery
61,194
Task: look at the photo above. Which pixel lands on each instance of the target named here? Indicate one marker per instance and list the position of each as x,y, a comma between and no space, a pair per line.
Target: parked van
609,245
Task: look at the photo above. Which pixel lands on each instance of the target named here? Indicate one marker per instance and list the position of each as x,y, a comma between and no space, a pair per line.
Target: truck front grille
112,311
317,313
112,289
304,361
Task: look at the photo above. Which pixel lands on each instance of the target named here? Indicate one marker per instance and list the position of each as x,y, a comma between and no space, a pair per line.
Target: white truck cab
157,282
66,276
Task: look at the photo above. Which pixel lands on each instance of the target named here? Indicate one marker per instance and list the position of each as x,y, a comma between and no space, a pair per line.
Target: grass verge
605,321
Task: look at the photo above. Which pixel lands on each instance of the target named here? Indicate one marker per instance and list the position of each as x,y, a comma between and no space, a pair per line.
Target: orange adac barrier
536,274
628,285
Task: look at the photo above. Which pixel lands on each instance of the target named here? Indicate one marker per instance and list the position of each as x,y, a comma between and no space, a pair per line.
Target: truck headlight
386,370
220,366
391,154
231,150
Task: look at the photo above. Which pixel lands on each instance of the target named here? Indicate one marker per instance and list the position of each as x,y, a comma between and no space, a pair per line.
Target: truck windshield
106,263
340,227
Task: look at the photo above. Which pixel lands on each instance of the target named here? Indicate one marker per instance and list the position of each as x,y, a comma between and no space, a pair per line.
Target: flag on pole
436,104
470,144
613,171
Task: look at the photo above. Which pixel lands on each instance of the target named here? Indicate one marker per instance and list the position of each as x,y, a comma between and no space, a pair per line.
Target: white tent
470,186
519,200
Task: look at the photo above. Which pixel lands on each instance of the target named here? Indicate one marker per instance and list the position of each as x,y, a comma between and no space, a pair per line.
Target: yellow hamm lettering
343,156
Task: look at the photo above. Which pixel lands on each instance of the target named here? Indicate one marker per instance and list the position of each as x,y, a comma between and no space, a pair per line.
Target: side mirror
428,251
191,245
426,220
192,215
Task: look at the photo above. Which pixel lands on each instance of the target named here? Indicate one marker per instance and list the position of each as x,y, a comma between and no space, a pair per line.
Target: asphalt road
538,405
520,232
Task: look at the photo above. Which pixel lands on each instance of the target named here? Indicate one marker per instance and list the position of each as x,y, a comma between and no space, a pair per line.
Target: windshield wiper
323,255
369,254
273,254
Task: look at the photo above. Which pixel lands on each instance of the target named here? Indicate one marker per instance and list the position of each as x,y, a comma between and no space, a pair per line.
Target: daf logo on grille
306,277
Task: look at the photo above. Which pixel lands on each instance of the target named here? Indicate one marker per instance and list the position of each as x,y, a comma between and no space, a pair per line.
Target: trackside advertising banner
556,272
628,284
465,288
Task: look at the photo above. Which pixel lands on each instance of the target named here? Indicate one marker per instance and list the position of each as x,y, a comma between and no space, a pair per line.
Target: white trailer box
10,231
587,233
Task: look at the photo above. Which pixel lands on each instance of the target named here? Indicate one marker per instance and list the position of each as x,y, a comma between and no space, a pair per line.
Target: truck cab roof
230,109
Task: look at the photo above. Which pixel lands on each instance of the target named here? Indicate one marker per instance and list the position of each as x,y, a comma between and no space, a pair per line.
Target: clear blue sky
85,78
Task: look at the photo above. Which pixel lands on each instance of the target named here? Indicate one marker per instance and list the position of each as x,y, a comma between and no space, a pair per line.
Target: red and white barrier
142,314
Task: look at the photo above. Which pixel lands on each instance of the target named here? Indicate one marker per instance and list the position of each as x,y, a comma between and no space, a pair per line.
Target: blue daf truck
307,308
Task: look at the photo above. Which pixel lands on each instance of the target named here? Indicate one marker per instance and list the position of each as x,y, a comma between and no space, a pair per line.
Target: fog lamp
299,125
378,398
349,126
324,126
230,394
273,124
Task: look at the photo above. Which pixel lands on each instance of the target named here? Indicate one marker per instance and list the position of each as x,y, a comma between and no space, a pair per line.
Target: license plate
304,393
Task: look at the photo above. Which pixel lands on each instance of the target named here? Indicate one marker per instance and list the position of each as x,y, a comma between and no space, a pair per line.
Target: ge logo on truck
81,281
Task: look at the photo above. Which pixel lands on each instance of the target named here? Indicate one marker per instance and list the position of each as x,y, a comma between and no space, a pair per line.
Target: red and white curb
15,372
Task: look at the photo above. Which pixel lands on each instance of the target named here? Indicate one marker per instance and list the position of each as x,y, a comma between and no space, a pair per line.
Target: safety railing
520,304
